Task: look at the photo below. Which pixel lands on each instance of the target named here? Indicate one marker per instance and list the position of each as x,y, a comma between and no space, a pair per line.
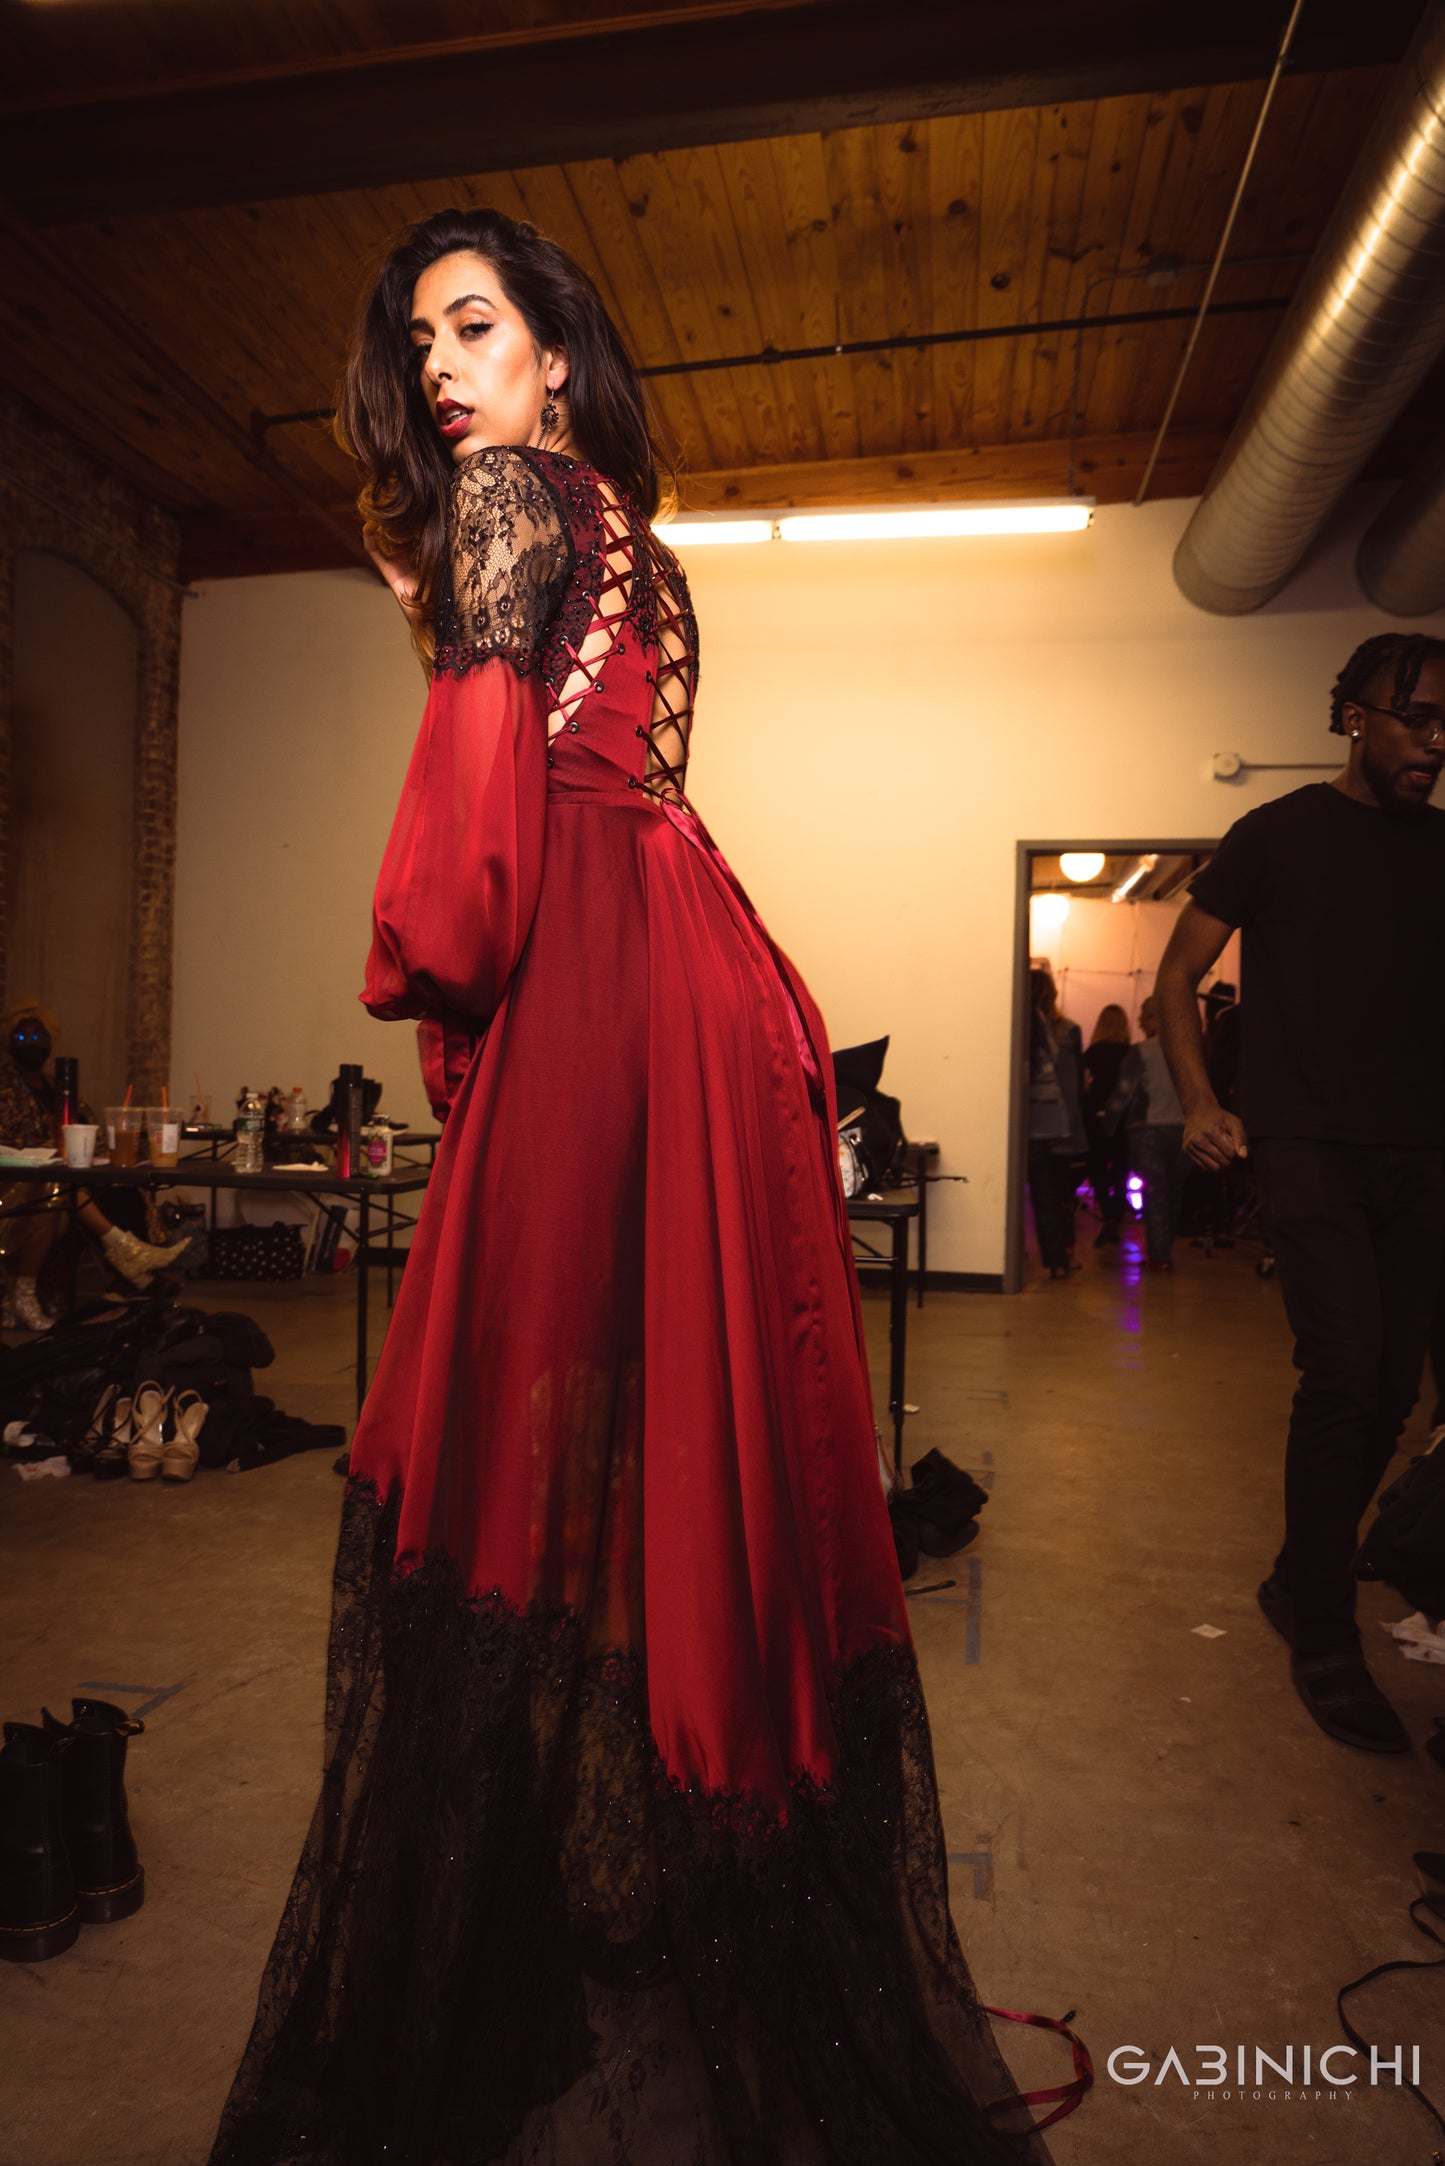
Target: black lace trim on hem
513,1937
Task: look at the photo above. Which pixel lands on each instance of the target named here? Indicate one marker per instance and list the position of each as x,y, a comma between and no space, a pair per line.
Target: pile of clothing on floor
937,1514
147,1387
1405,1547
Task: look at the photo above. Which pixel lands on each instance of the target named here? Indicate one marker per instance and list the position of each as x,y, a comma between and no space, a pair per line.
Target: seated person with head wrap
31,1218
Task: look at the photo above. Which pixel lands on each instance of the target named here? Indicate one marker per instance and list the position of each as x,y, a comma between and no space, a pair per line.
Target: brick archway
54,499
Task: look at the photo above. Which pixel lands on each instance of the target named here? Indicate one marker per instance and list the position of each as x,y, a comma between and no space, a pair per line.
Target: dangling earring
550,415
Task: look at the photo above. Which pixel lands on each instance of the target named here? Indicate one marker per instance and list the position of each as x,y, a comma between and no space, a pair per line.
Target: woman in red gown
629,1846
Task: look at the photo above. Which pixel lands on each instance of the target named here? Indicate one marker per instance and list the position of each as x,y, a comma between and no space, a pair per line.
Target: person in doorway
1108,1159
34,1218
1145,1107
1340,891
628,1844
1057,1138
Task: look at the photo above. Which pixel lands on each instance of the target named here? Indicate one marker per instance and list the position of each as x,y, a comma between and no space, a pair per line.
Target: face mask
30,1045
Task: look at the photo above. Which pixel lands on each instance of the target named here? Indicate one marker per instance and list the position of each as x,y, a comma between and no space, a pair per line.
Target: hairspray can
349,1102
67,1090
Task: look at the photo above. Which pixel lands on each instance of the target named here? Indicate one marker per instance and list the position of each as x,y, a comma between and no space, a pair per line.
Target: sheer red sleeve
463,867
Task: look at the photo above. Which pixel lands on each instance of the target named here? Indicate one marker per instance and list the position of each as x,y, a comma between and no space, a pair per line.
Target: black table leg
72,1244
922,1230
363,1235
897,1334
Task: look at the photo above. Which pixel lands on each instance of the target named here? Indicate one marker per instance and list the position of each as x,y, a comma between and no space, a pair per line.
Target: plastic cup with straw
126,1125
163,1130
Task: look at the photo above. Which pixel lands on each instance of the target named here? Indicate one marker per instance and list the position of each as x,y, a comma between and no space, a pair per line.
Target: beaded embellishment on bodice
559,573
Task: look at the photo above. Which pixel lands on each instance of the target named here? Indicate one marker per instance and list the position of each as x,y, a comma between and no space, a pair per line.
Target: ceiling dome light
1050,910
1081,864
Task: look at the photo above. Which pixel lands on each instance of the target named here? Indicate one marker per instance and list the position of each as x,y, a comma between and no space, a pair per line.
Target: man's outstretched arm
1212,1137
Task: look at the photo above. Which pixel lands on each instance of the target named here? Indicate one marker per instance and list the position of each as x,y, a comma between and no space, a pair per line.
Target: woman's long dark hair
382,418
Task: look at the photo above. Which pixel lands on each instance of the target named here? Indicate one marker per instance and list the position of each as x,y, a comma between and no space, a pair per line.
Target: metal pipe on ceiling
1366,325
1401,560
916,341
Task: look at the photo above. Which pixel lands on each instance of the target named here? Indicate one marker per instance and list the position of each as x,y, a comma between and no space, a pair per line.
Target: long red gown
629,1847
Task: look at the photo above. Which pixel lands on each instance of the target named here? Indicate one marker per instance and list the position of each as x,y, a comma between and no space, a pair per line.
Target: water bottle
251,1134
297,1112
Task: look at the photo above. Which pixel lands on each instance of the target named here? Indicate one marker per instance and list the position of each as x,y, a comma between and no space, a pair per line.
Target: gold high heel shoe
182,1454
151,1432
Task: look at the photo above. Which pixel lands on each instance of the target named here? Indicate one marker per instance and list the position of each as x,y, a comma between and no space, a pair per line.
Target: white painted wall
879,725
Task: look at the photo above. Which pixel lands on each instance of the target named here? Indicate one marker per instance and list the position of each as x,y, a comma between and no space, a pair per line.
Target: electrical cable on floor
1380,1970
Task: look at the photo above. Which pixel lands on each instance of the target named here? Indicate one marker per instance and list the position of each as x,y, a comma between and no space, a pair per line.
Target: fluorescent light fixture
692,533
1081,864
1067,517
1127,885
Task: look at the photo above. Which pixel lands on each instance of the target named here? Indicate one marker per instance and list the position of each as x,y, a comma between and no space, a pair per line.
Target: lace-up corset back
557,572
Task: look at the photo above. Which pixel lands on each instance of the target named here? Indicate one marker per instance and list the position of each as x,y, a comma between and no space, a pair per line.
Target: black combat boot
39,1913
109,1878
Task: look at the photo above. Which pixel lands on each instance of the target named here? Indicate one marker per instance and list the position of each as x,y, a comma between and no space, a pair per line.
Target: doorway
1098,915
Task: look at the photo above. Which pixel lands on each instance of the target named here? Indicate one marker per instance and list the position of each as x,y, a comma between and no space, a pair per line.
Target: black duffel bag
1405,1547
277,1251
871,1141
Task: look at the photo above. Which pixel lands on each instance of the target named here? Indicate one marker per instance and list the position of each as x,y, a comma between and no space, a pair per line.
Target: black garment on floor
52,1381
1342,907
1406,1544
1359,1233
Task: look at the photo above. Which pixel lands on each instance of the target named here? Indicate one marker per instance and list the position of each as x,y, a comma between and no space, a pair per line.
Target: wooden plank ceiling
164,339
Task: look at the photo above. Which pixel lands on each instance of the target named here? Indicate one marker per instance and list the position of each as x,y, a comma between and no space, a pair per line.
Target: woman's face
485,381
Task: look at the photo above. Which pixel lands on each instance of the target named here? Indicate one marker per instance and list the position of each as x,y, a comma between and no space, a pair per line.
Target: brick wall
53,497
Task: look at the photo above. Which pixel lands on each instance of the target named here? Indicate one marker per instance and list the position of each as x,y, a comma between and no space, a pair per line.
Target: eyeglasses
1424,728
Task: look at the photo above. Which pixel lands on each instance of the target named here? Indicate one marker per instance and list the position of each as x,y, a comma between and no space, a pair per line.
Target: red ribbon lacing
1069,2095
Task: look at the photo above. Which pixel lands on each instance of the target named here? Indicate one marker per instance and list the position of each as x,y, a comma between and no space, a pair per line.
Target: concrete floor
1144,1825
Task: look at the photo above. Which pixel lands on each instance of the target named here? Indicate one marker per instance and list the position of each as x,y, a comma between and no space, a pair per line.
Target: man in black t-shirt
1340,891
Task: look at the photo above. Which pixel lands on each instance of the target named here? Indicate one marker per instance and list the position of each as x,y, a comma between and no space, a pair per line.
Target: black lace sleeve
511,558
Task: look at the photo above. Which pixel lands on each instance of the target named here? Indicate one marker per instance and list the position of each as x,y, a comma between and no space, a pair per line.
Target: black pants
1053,1182
1358,1231
1437,1356
1109,1173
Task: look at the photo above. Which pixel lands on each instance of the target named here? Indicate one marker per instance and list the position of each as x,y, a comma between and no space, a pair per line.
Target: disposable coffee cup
79,1140
163,1134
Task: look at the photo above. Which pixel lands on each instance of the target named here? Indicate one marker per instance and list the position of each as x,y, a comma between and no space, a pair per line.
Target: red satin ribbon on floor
1072,2093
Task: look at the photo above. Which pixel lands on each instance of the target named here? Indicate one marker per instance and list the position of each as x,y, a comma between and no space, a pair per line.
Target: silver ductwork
1401,563
1366,325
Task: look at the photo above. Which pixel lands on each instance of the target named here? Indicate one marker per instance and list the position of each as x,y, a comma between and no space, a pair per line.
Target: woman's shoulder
499,478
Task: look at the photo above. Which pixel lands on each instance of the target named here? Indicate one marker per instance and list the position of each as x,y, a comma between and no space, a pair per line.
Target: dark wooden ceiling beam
183,390
621,91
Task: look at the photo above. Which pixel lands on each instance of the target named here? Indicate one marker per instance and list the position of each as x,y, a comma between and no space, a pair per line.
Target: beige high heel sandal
183,1448
151,1431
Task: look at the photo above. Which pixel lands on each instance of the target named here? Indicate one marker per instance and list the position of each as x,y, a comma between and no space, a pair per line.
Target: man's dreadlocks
1409,651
